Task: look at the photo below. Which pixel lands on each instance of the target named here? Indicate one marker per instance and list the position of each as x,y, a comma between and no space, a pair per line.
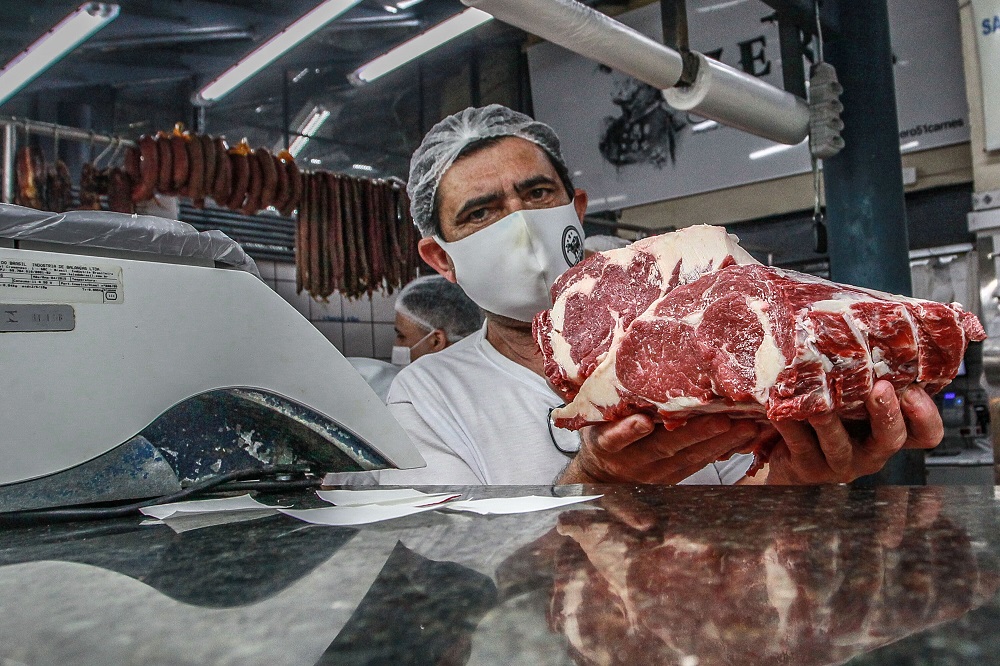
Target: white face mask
509,267
401,355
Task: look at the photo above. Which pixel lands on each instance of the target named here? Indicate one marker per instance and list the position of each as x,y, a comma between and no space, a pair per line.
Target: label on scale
33,318
55,282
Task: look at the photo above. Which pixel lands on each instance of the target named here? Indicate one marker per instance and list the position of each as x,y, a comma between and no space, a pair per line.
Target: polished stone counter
679,575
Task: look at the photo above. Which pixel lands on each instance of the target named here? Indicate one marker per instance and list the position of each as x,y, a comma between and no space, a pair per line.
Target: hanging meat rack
351,235
11,125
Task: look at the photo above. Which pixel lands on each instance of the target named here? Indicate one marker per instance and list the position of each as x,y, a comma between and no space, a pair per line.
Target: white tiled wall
362,327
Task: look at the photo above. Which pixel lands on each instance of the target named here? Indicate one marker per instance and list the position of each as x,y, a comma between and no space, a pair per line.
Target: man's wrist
575,473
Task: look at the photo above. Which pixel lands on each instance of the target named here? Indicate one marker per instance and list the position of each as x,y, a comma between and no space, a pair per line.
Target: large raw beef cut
689,323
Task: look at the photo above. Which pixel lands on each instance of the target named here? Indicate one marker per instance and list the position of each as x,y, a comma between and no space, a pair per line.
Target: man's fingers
615,436
834,442
799,438
925,426
888,426
684,463
693,432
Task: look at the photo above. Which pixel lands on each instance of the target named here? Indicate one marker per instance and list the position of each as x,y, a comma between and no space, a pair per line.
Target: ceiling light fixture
704,126
774,150
362,167
50,48
406,4
308,129
426,41
271,50
909,146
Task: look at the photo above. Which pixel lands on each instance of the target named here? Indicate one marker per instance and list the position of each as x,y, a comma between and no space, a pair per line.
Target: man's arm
635,450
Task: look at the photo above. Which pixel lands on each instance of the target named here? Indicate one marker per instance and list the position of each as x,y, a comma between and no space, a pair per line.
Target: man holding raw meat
493,200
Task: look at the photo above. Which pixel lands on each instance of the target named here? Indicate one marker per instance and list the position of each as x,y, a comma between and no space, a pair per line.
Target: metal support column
9,146
866,208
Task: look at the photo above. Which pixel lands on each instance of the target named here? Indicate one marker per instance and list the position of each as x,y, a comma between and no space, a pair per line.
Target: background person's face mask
508,267
402,355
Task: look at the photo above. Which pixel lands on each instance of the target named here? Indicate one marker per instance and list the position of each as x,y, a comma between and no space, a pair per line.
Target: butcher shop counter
677,575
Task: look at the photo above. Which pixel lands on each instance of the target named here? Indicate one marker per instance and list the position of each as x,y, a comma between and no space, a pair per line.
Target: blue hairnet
432,302
449,137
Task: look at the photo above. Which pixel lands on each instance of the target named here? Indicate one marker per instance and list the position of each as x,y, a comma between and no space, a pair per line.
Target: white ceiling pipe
721,93
590,33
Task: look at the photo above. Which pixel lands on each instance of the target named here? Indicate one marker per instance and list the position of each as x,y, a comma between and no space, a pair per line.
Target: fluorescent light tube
909,146
362,167
775,149
308,129
53,45
704,126
421,44
272,49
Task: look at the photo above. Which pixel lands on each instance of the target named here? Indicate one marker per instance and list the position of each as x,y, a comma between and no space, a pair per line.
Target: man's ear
439,340
436,257
580,202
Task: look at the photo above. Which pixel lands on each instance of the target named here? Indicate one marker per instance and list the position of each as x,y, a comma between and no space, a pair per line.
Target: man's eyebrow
533,182
483,200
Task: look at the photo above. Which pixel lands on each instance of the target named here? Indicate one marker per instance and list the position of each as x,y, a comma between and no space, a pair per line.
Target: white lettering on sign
53,282
987,17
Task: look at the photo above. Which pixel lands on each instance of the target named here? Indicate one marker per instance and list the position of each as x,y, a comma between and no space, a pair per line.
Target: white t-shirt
478,417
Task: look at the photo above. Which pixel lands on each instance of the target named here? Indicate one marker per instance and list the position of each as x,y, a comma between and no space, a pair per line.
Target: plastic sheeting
120,231
736,99
590,33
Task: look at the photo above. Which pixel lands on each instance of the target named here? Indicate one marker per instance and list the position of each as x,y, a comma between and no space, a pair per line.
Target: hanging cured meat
90,195
119,191
165,174
195,186
240,164
59,188
149,168
30,170
353,236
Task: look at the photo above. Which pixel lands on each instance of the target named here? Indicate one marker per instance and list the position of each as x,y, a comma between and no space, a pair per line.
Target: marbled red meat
726,334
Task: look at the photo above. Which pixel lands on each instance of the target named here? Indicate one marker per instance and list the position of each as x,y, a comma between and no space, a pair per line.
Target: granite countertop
677,575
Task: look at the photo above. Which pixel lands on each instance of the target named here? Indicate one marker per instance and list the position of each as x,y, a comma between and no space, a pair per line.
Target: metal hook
119,145
819,223
104,152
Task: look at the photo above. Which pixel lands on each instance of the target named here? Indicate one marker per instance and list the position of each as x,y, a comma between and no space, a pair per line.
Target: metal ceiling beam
168,39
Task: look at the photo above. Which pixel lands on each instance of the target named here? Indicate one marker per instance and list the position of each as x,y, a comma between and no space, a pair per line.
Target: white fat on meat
769,361
698,250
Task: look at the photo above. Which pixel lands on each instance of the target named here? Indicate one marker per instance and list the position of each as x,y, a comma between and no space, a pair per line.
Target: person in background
492,197
431,314
601,243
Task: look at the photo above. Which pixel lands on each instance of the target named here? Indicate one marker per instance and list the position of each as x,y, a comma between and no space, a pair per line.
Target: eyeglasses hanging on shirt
567,442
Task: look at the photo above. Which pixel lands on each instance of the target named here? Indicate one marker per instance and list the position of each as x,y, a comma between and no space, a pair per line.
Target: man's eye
478,215
539,193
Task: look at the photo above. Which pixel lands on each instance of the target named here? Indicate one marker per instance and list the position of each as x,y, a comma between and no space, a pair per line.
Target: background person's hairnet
602,243
446,140
433,302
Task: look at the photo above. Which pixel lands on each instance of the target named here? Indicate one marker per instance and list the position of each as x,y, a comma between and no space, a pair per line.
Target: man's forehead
510,158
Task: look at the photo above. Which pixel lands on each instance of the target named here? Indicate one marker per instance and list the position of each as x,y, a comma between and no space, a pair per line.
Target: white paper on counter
507,505
345,516
186,522
241,503
383,497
